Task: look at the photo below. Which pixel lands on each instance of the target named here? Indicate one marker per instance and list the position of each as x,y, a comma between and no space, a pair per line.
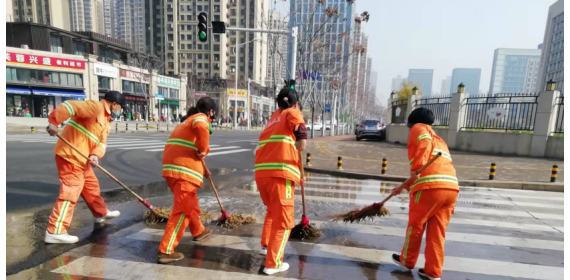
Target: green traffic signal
202,35
292,87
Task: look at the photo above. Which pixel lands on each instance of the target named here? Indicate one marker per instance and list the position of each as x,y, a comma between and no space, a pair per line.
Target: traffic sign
327,108
159,96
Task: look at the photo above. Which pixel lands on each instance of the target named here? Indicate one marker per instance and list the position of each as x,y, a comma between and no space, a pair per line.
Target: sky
447,34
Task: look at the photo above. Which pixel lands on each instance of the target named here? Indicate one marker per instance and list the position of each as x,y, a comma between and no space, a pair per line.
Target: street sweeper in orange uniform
433,195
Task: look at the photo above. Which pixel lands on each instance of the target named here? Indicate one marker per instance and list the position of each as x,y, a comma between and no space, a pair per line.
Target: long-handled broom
304,229
376,209
155,215
228,221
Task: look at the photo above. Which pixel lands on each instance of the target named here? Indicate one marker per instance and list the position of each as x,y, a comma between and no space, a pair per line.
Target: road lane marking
228,152
329,251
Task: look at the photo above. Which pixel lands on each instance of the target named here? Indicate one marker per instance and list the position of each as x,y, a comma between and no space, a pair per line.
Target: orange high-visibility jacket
87,129
277,156
423,145
180,159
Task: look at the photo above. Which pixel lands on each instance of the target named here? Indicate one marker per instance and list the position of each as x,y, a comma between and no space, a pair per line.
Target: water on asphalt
494,234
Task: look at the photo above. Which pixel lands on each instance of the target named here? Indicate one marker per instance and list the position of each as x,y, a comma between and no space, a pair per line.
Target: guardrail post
492,171
457,113
554,173
545,121
339,163
384,165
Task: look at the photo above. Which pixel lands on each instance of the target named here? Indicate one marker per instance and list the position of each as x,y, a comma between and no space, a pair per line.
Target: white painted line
228,152
27,192
143,147
235,141
464,199
160,150
137,144
460,264
117,269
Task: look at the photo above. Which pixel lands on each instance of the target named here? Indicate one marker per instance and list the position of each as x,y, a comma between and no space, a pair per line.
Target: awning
15,90
59,92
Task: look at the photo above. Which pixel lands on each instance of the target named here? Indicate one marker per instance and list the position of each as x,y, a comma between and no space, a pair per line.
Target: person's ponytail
191,111
287,98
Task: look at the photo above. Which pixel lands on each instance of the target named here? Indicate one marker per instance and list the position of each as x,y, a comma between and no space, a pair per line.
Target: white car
316,126
328,125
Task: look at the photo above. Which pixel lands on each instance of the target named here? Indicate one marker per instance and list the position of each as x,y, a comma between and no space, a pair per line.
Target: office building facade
469,77
552,57
423,79
514,71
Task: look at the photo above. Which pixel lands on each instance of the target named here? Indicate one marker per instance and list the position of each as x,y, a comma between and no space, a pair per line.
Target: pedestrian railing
559,127
439,105
504,112
399,109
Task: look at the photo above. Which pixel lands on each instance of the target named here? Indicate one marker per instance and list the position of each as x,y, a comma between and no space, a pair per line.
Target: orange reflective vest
277,156
87,129
180,159
423,145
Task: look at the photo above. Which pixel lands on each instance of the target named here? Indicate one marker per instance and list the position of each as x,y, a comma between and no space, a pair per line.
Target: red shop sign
44,61
135,75
135,98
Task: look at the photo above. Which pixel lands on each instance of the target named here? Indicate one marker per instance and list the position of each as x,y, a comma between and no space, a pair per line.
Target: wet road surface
494,234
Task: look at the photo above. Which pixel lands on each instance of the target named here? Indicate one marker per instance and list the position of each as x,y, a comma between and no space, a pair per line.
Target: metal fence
501,112
399,109
559,128
440,106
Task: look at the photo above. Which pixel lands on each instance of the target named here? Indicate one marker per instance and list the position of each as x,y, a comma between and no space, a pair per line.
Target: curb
534,186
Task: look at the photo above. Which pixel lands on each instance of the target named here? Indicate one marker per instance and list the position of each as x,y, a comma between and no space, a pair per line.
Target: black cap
421,115
116,97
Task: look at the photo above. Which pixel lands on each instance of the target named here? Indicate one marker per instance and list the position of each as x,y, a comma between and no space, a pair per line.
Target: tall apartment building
422,78
397,82
446,86
50,12
515,71
469,77
128,23
367,78
552,57
277,49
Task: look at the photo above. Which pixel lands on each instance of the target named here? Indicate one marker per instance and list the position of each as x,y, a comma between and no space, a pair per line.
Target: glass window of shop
163,91
56,45
104,82
173,93
18,105
79,48
43,77
133,87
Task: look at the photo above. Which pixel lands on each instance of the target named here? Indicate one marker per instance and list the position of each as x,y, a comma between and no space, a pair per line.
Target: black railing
440,106
559,128
515,112
399,109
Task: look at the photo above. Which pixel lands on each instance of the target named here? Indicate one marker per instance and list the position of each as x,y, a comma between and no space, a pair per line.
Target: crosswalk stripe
143,147
112,145
119,269
228,152
482,211
452,263
463,199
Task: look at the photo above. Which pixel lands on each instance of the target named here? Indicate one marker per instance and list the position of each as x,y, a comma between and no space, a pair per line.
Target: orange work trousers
185,212
278,195
75,182
434,207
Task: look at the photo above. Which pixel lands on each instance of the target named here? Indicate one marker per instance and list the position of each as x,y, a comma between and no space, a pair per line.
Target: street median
534,186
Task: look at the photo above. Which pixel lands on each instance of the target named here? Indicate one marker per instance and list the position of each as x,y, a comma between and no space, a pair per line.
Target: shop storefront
169,104
105,77
135,87
36,83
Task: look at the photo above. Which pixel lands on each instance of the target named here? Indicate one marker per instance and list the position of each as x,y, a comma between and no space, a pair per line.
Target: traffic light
292,84
203,27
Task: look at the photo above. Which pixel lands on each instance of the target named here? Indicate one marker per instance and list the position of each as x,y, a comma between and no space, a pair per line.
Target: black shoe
396,259
421,272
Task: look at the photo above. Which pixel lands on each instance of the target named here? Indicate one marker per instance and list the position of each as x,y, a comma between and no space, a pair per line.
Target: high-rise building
514,71
422,78
397,83
277,49
470,77
373,82
9,11
336,61
128,23
446,86
367,80
50,12
552,58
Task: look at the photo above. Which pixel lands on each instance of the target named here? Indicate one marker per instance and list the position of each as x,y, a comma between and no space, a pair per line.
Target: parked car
370,129
317,126
328,125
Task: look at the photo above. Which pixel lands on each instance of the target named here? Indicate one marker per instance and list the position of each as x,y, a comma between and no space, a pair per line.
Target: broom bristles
367,213
305,231
235,220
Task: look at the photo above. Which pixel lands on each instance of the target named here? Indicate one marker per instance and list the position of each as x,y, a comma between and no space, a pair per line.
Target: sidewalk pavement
366,157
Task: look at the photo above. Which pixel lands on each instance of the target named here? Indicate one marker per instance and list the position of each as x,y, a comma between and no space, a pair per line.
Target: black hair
204,105
287,98
421,115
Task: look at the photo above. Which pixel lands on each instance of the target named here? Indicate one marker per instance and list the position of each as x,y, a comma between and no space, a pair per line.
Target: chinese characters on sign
166,81
140,77
134,98
200,94
241,92
105,70
55,62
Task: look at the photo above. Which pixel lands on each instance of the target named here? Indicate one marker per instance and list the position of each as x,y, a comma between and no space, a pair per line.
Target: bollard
383,188
308,159
166,127
384,165
554,173
33,130
137,126
147,126
339,165
116,127
158,126
492,171
126,126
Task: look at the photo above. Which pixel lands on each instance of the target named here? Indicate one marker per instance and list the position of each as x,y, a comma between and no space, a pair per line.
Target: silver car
370,129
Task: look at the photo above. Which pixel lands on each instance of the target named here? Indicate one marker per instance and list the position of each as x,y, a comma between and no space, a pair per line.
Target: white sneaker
271,271
60,238
263,251
110,215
